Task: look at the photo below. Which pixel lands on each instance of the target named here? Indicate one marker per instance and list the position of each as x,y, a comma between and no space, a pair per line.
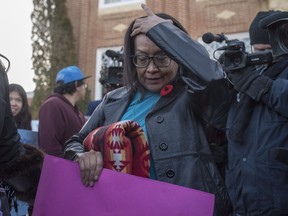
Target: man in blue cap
59,117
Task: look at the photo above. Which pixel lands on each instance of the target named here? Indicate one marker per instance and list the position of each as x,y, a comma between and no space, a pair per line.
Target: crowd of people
179,98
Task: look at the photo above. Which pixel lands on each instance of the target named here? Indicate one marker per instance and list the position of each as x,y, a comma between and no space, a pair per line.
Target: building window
117,3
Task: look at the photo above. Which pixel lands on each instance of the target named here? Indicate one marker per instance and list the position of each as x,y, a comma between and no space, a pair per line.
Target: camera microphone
112,54
209,37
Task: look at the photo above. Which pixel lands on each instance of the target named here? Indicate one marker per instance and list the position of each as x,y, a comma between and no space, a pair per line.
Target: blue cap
70,74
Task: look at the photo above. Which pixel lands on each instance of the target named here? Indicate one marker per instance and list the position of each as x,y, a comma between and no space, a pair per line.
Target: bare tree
53,47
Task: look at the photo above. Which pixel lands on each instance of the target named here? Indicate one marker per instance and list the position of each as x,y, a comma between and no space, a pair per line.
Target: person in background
20,164
171,85
257,125
22,117
59,117
105,81
19,106
93,104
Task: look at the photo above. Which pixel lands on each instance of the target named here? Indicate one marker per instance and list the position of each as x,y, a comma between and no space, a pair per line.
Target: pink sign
61,193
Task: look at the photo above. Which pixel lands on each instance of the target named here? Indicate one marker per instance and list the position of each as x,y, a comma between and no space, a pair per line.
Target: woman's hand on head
91,165
143,25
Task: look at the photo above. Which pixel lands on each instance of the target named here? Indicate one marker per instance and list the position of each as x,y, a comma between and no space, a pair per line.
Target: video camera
112,74
235,56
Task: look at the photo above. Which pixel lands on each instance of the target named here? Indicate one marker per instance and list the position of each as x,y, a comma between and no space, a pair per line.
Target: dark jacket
257,181
176,137
58,121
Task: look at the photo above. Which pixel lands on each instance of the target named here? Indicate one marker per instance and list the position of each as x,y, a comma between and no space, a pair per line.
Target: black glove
250,82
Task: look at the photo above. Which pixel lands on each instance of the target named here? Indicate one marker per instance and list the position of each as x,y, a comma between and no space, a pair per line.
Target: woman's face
153,77
16,102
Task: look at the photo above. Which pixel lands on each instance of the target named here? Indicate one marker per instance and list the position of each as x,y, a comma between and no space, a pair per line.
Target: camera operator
257,125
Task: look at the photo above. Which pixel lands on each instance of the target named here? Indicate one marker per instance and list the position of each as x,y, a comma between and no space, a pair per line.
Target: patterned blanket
124,147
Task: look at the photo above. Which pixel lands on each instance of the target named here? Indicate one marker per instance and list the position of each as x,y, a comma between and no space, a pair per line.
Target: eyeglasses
143,61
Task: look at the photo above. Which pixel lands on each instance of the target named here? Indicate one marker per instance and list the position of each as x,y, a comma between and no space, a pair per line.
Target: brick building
99,25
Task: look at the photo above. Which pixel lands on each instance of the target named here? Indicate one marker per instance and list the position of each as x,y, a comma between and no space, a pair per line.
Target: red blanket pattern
124,147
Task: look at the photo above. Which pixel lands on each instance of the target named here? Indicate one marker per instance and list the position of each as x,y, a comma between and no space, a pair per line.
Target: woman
19,106
171,89
22,117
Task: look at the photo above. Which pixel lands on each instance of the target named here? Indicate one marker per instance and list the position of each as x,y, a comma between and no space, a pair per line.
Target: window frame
103,5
